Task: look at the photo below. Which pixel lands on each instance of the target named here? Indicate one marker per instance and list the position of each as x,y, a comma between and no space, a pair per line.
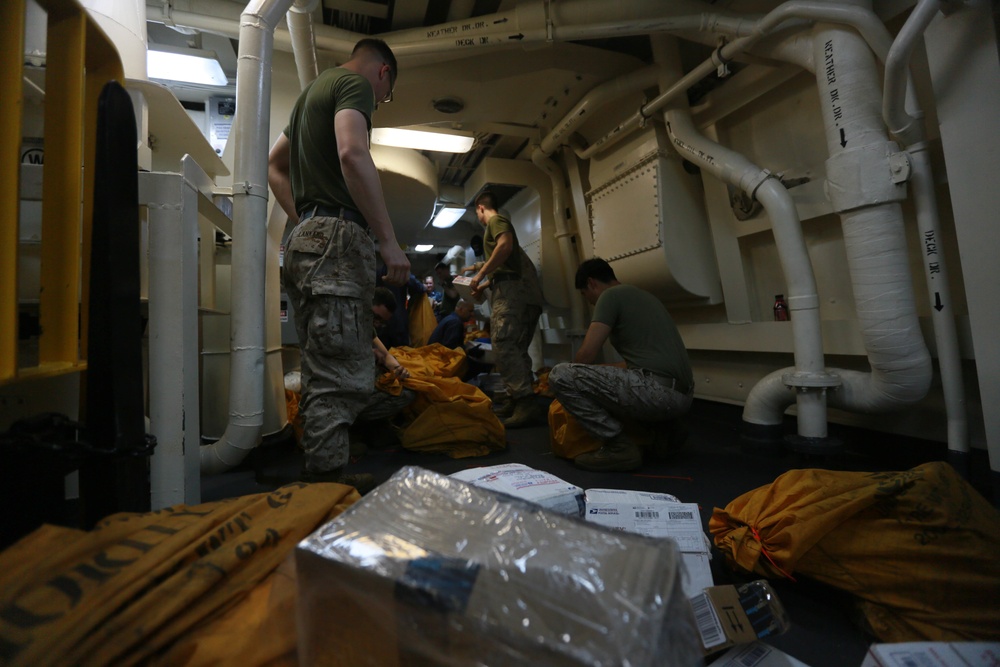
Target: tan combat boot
527,412
617,455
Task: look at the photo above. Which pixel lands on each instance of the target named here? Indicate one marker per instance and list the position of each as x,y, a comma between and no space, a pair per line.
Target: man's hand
393,366
397,266
474,285
479,289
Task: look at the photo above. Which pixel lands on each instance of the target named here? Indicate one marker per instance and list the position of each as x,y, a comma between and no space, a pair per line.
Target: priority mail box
656,515
524,482
430,570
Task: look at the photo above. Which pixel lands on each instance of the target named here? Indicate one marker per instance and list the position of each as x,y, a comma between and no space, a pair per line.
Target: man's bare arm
366,190
597,333
505,246
279,176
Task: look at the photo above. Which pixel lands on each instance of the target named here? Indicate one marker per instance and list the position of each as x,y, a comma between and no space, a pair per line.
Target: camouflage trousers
513,321
599,397
329,276
383,405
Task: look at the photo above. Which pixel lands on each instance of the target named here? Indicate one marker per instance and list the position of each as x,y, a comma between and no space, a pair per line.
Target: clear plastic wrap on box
430,570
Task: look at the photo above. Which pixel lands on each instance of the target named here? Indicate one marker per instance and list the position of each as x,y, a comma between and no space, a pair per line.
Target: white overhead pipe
221,17
300,30
247,330
808,377
749,35
906,127
529,22
909,128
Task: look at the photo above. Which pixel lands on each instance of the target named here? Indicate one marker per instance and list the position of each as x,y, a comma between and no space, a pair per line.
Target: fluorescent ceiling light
422,248
447,217
187,65
427,139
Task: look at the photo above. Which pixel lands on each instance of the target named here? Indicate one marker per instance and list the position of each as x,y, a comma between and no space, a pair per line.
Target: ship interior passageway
806,187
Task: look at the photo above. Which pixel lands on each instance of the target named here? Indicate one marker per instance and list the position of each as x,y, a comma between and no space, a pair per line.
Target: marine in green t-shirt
656,387
316,173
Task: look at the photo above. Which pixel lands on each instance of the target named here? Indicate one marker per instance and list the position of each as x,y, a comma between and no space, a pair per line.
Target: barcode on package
647,514
752,655
708,623
906,659
679,516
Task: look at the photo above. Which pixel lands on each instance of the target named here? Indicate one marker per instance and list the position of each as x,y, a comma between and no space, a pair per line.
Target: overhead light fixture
422,248
424,139
171,63
447,217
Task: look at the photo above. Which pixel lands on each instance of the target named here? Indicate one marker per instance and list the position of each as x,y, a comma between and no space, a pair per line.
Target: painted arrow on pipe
500,21
843,139
517,36
938,306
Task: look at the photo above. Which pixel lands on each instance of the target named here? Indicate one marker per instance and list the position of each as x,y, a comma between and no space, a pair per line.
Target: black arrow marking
517,36
938,306
500,21
733,619
843,139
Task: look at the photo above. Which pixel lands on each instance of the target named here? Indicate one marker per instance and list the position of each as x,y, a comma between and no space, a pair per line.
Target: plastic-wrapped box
430,570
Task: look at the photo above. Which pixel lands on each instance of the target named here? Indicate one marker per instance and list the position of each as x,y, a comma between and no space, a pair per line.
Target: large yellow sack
918,548
432,360
139,583
568,439
448,416
422,321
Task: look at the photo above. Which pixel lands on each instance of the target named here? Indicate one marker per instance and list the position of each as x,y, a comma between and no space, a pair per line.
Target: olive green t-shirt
643,332
316,174
496,226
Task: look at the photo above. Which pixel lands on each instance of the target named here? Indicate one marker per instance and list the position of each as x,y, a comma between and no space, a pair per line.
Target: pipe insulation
862,191
250,194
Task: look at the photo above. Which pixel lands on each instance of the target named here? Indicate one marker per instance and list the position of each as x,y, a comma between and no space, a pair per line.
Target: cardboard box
756,654
461,285
430,570
933,654
733,615
521,481
657,515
